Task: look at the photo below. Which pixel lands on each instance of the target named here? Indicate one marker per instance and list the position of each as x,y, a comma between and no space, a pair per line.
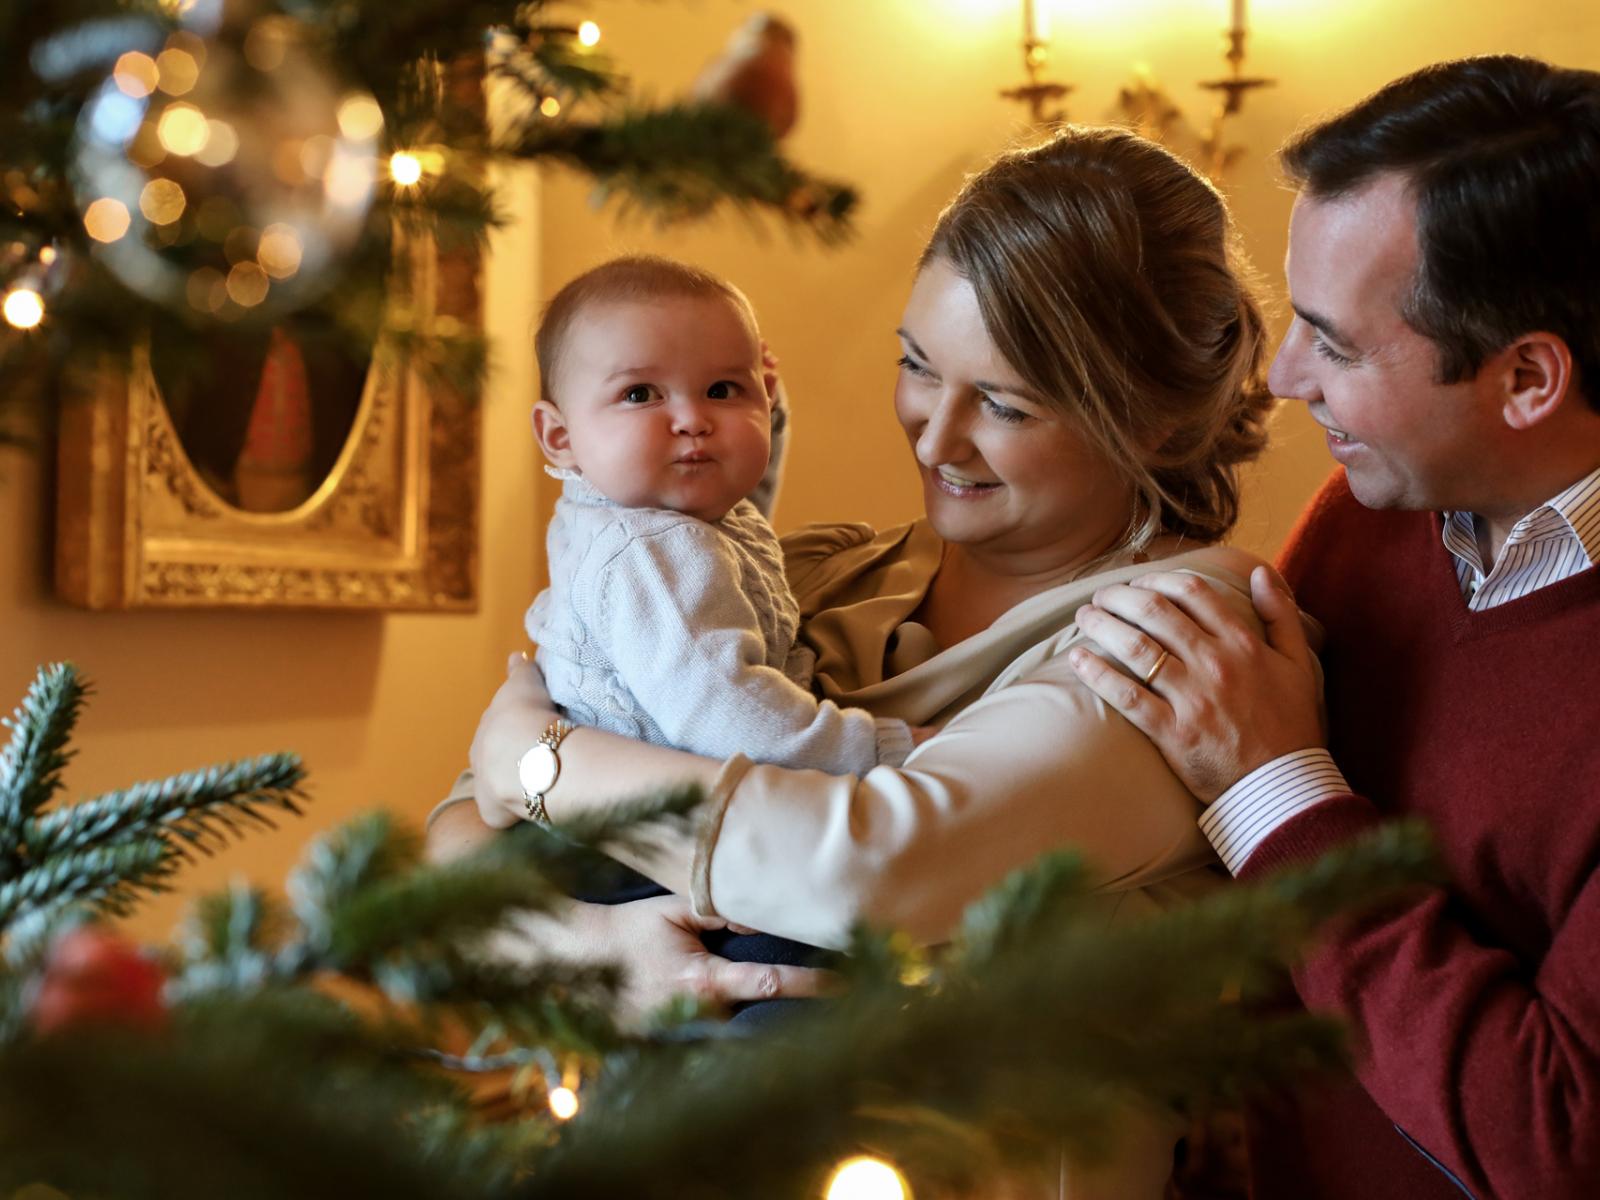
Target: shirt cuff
1242,817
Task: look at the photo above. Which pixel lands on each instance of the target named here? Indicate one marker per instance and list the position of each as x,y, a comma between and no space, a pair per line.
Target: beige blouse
1027,759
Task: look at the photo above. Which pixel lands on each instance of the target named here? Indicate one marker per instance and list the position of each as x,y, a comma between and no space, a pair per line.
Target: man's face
1404,439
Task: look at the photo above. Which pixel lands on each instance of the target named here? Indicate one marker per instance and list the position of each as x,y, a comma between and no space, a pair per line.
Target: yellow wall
898,98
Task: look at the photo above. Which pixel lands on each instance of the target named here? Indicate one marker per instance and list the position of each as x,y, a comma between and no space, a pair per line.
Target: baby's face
663,404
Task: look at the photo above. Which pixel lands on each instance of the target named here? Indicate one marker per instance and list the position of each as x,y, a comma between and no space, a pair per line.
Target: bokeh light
279,251
589,33
247,284
405,169
24,308
866,1178
184,130
179,70
136,74
550,106
162,201
563,1103
222,143
106,219
360,117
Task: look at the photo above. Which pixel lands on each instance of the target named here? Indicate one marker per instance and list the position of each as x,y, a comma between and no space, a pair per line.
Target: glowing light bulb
405,169
550,106
563,1103
866,1178
24,308
589,33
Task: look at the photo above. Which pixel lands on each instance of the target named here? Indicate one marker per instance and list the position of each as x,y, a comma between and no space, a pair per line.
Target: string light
563,1103
866,1178
24,308
589,33
550,106
405,169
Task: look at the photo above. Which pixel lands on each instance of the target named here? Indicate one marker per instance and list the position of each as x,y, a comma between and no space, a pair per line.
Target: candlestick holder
1038,92
1144,105
1231,92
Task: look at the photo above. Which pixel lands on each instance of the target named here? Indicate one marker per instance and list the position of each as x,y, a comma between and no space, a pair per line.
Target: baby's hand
769,373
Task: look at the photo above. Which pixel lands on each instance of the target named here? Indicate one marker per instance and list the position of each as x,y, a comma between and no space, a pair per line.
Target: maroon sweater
1479,1003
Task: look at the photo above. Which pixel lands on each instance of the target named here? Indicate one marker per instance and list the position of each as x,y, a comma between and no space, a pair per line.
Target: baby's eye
722,389
639,393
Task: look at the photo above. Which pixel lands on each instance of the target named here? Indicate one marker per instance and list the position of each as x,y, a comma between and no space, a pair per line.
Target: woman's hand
519,712
656,942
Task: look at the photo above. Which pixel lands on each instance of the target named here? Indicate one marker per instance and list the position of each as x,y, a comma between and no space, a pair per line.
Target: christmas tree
319,1048
136,211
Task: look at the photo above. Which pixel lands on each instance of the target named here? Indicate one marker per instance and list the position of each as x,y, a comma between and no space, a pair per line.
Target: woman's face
1002,472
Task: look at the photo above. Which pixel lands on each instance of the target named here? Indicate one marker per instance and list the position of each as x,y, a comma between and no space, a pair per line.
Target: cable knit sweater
1478,1003
681,632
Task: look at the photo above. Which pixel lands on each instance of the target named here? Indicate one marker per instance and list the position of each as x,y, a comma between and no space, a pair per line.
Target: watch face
537,769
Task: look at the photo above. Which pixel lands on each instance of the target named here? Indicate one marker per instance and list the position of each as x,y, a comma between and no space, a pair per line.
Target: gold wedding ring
1161,661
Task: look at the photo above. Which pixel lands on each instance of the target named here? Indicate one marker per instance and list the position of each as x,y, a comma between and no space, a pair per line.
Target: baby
668,617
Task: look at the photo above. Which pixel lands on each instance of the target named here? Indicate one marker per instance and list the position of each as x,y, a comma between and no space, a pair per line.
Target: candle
1238,17
1036,21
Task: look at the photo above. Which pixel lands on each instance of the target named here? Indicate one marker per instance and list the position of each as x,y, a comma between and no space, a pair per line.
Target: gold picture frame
393,526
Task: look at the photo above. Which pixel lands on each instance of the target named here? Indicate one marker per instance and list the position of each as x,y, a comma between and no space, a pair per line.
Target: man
1444,268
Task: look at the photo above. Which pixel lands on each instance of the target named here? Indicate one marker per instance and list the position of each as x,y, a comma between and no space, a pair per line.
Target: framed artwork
278,469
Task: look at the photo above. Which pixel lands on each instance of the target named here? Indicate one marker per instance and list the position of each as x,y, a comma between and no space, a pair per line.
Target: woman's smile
952,483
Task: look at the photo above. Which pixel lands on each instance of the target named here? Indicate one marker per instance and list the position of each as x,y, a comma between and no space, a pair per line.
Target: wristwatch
540,767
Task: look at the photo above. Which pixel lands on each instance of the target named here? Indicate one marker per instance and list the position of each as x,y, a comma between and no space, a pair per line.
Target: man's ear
1536,374
550,428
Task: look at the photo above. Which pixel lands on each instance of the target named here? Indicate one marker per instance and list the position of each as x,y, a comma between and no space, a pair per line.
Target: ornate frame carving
394,526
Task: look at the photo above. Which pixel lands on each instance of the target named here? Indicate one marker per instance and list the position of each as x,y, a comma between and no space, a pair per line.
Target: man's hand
1222,701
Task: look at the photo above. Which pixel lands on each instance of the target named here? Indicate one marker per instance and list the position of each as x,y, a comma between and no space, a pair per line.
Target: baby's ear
550,429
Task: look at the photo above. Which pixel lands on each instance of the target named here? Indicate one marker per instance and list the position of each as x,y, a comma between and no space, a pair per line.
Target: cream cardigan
1027,759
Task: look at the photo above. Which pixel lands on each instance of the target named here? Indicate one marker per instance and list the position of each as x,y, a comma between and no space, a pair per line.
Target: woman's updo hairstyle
1104,269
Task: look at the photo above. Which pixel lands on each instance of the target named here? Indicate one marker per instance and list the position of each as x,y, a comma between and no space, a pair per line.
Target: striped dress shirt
1553,542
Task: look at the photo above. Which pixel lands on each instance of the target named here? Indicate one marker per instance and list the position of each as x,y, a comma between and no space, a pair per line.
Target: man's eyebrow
1324,326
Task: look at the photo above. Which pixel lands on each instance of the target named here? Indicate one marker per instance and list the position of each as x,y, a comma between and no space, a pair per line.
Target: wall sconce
1143,104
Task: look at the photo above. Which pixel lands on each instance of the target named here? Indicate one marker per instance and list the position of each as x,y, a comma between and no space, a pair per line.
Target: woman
1080,378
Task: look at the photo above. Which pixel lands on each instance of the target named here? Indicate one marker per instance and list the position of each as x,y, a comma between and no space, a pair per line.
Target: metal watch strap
555,733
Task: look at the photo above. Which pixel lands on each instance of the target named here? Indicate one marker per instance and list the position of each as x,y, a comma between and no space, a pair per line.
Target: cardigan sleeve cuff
460,793
712,810
1245,815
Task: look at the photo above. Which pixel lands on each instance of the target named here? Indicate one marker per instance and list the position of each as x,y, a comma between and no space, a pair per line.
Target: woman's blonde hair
1106,272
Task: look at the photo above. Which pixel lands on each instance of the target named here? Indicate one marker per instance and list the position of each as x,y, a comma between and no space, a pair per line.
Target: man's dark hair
1502,155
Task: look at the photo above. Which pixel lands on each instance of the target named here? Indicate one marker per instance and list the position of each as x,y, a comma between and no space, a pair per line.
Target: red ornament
94,977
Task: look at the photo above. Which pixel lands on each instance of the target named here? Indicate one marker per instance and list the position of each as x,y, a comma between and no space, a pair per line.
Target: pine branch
195,809
681,161
106,876
428,909
32,762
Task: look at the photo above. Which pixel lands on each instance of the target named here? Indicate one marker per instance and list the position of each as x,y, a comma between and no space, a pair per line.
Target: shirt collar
1576,508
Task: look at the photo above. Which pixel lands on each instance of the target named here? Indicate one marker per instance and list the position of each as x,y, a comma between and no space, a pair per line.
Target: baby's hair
629,279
